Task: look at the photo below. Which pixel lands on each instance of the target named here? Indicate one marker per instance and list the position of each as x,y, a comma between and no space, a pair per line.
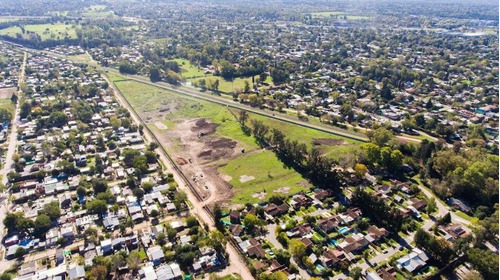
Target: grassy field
82,58
97,11
340,15
269,175
226,85
188,70
6,103
268,171
148,98
46,31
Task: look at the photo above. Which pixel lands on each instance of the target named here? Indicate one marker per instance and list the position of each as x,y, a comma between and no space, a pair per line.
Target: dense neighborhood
229,140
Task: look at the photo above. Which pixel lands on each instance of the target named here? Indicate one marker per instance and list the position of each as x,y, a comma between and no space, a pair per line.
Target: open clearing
5,102
338,15
207,143
268,174
46,31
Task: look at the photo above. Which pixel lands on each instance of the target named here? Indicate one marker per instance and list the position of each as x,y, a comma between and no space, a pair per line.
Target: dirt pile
202,127
217,148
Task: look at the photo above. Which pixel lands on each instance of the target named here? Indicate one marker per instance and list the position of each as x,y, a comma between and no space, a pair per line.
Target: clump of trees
294,154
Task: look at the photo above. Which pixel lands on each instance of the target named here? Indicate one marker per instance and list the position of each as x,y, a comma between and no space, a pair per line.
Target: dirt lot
7,92
195,149
329,142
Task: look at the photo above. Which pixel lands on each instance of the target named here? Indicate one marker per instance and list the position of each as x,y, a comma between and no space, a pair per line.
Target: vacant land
237,84
209,146
97,11
338,15
259,176
188,70
5,102
45,31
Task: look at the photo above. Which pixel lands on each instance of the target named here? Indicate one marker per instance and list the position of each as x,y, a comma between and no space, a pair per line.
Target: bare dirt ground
329,142
7,92
195,149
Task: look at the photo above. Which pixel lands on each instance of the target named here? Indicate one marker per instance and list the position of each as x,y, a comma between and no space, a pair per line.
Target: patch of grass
463,215
97,11
306,135
45,31
269,174
233,276
82,58
328,14
6,103
147,98
237,84
339,15
188,70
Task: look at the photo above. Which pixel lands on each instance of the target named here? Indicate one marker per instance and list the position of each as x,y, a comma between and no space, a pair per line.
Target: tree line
317,168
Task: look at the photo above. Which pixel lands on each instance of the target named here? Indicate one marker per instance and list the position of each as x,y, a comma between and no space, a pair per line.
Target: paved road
237,264
271,236
12,143
12,139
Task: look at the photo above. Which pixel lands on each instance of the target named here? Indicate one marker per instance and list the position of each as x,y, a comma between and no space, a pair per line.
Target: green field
97,11
6,103
226,85
268,171
269,175
82,58
339,15
149,98
188,70
46,31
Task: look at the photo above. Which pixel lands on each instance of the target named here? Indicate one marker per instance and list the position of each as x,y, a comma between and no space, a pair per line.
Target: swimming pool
343,230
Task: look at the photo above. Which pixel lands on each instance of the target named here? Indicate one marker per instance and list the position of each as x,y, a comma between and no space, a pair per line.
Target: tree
243,117
99,185
360,170
215,85
355,273
42,225
247,86
52,210
484,261
133,261
154,74
217,241
283,257
5,115
161,239
431,206
5,276
297,249
20,252
81,191
117,261
179,199
98,272
372,152
191,222
251,222
97,206
396,160
58,119
380,136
